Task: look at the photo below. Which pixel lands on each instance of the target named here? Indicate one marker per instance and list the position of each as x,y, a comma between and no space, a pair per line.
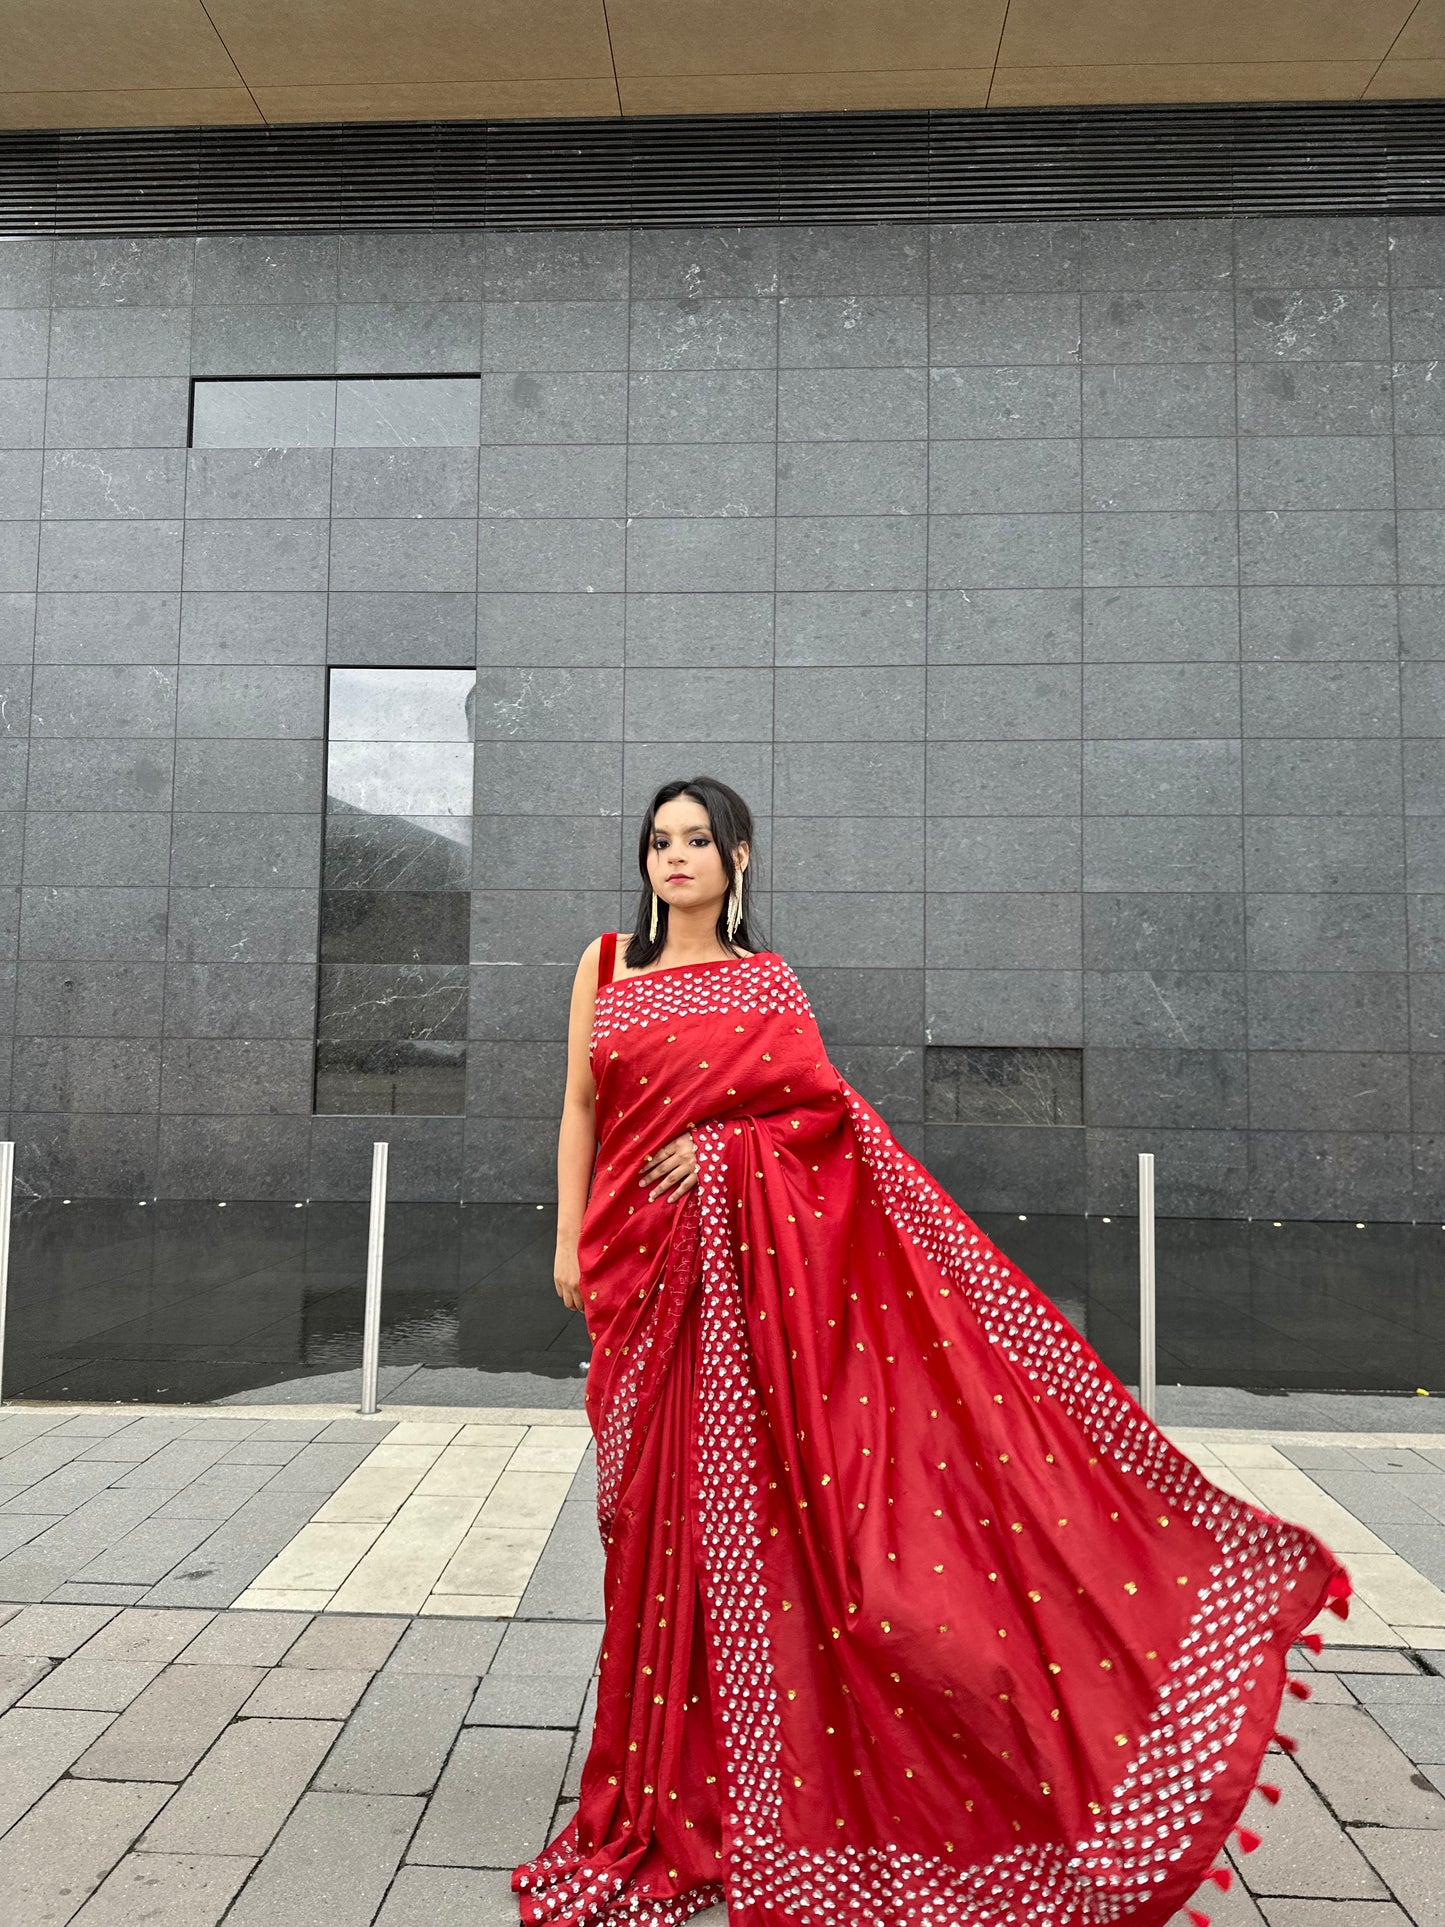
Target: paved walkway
293,1668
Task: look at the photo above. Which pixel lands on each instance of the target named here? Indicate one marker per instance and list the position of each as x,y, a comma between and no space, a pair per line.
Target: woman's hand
672,1170
567,1276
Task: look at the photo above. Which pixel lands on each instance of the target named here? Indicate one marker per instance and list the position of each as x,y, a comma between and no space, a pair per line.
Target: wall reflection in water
391,1027
188,1300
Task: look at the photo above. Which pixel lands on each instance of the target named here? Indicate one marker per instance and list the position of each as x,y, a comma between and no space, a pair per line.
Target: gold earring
735,905
652,926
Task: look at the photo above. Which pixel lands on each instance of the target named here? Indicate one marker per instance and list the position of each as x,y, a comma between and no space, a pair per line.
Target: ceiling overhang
179,63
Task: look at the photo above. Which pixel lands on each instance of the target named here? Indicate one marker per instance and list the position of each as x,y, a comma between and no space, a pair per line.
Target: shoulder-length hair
731,823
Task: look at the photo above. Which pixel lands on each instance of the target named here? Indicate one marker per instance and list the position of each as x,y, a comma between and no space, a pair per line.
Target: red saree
914,1618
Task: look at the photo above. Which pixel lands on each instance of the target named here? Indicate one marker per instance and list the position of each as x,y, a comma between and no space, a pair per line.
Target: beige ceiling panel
1258,80
662,38
507,100
1424,35
103,46
803,93
145,107
1408,80
1126,33
346,43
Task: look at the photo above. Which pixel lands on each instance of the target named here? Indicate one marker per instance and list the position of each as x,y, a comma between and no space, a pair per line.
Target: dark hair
731,823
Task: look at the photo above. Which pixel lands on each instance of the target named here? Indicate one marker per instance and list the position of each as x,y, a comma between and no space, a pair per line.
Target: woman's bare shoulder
588,961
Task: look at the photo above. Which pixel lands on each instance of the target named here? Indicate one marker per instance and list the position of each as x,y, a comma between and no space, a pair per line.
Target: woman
913,1616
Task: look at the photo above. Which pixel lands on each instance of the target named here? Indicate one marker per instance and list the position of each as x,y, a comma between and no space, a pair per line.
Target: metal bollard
371,1320
1146,1281
7,1195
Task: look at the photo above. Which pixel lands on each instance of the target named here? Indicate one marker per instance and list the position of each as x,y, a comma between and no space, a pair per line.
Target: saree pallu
913,1617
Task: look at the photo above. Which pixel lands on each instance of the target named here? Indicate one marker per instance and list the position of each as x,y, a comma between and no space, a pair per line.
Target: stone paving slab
238,1798
145,1554
139,1440
1411,1866
1423,1545
166,1890
19,1528
86,1685
1378,1499
567,1580
333,1863
90,1592
537,1699
319,1467
346,1642
401,1734
52,1632
36,1748
63,1490
307,1693
1412,1712
217,1493
1366,1779
1345,1659
1333,1913
143,1634
447,1646
1303,1852
244,1639
450,1897
163,1734
176,1464
267,1449
548,1647
495,1801
66,1844
17,1676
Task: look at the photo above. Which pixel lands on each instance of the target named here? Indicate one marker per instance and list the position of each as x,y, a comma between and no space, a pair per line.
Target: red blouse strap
605,957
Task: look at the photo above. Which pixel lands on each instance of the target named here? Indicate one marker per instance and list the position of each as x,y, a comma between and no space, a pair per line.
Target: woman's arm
577,1137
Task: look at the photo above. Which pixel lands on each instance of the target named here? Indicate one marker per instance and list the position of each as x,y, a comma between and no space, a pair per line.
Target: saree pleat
914,1617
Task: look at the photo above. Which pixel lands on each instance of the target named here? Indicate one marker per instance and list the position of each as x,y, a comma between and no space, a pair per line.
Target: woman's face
684,863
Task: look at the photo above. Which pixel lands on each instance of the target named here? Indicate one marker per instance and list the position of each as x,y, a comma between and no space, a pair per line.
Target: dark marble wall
1066,600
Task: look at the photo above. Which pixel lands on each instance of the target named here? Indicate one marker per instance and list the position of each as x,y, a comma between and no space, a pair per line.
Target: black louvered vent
1014,164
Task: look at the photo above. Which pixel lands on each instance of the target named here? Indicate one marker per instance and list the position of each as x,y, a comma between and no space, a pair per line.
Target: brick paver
168,1758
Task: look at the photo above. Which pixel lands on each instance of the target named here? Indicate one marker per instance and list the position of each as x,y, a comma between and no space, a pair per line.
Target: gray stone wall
1065,599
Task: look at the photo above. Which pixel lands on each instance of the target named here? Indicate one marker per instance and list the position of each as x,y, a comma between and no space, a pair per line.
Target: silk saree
913,1617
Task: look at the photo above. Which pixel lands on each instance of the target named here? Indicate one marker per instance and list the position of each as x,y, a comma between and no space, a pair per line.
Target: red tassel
1200,1920
1223,1878
1271,1793
1300,1690
1287,1741
1314,1642
1337,1595
1247,1841
1340,1608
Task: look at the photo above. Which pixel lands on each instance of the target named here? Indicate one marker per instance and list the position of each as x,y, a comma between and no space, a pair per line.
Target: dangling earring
735,905
652,926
